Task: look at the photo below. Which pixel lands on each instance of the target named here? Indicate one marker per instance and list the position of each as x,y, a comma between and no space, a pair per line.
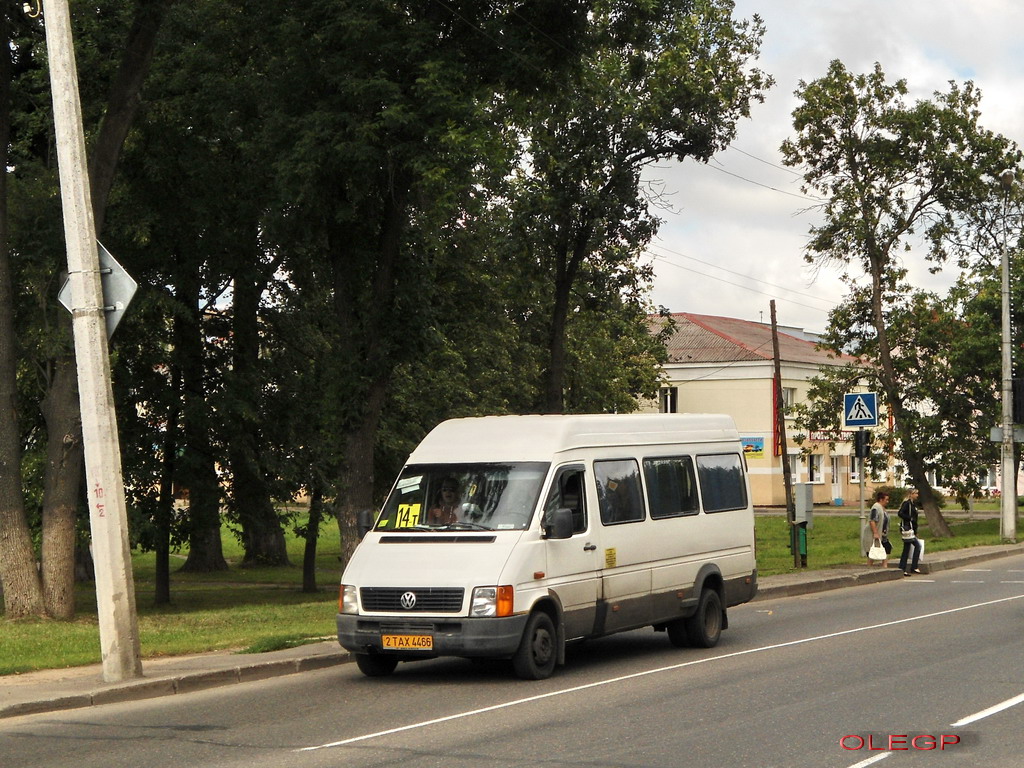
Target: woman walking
878,524
908,531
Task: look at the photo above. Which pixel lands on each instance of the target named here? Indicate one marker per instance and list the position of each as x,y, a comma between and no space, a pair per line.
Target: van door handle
589,547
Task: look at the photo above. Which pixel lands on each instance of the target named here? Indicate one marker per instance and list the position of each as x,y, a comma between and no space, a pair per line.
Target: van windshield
464,497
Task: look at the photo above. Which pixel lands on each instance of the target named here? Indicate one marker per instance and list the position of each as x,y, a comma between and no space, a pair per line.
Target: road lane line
635,675
995,709
871,760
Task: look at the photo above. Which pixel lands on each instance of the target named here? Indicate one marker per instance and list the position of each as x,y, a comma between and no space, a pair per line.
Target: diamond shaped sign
118,289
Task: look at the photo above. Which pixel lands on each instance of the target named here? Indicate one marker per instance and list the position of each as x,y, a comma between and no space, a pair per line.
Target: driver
443,511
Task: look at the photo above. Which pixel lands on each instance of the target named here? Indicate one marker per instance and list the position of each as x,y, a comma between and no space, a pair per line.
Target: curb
830,580
186,682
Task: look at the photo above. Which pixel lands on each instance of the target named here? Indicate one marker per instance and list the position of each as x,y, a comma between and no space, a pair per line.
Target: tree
135,31
889,171
669,79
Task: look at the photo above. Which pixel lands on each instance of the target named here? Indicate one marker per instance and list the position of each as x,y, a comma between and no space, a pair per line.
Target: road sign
118,289
860,409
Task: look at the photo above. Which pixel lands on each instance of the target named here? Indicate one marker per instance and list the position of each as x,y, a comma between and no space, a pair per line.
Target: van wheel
374,665
677,634
536,656
705,626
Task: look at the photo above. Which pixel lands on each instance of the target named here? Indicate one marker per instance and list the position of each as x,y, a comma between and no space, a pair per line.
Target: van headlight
348,599
491,602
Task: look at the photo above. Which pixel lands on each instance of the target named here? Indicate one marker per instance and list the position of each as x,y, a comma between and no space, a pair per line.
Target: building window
814,474
788,397
794,466
669,399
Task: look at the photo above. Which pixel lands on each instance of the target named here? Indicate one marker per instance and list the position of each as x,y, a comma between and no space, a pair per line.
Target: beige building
726,365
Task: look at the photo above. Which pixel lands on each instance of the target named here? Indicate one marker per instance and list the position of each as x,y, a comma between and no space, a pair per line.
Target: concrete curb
175,683
792,585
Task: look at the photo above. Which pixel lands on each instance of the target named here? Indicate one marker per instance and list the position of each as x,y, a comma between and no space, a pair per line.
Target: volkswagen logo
408,600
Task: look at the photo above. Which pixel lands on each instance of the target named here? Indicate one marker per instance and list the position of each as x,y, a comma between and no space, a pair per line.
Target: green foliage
893,176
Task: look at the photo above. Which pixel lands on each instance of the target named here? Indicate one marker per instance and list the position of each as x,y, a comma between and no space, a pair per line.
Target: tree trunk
364,325
316,503
358,471
887,377
165,504
567,267
64,458
22,589
198,463
262,535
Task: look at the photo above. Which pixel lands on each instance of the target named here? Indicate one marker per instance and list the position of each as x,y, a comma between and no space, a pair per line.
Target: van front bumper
484,638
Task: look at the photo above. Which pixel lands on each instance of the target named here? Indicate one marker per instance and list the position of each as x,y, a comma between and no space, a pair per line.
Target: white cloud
739,212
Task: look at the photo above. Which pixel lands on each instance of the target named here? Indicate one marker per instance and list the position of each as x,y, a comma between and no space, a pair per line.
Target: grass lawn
261,609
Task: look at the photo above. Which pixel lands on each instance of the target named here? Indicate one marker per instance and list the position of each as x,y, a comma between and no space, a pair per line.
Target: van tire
537,654
705,626
375,665
678,635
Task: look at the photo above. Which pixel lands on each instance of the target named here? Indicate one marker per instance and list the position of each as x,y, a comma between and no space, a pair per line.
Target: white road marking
967,581
995,709
635,675
871,760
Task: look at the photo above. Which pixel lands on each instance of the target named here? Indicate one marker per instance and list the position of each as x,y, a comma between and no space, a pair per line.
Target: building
726,365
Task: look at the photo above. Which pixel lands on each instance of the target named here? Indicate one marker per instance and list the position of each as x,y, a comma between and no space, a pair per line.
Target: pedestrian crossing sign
860,409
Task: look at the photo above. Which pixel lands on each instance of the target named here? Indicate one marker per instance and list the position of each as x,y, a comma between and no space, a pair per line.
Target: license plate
408,642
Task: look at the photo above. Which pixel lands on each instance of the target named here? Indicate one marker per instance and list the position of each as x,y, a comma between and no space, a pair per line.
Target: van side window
618,491
567,493
721,482
671,487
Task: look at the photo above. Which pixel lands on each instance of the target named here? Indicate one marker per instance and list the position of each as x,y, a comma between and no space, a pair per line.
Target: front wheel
536,656
373,665
705,626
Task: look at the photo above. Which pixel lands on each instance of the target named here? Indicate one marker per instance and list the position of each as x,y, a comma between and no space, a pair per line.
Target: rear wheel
677,634
705,626
536,656
373,665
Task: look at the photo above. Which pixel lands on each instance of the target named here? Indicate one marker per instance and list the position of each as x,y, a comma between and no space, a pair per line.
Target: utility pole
1008,487
780,421
115,588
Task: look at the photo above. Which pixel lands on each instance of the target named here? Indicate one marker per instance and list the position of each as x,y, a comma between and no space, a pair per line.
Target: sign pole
115,588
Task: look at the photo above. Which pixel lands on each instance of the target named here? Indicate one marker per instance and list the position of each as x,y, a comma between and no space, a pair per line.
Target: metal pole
780,420
115,588
1008,486
863,512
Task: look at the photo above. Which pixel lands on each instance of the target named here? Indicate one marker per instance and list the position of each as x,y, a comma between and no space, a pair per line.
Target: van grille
428,599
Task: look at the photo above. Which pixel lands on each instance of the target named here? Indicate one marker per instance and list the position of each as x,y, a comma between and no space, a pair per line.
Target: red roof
711,339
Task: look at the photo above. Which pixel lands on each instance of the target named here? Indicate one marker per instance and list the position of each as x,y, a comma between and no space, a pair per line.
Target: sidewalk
60,689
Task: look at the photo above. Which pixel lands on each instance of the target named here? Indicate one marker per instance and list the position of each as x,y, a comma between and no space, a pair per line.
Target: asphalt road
885,671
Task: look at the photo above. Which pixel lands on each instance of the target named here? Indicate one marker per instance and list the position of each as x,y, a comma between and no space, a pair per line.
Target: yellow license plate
408,642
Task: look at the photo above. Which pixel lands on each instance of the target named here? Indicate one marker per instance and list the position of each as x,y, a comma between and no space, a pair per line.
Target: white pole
1008,489
115,588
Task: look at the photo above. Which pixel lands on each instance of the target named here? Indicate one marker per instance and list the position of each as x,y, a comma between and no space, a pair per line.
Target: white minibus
511,536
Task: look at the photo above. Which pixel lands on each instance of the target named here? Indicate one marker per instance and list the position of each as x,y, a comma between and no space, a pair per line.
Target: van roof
539,438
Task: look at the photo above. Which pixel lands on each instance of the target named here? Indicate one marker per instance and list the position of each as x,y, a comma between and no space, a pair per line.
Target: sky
734,229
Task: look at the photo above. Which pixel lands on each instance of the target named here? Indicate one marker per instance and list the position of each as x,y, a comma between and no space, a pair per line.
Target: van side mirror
364,522
558,524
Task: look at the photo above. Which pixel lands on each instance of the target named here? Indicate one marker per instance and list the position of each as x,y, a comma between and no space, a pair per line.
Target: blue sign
860,409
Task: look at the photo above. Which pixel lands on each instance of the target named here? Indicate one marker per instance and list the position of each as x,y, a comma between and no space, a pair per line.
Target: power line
732,272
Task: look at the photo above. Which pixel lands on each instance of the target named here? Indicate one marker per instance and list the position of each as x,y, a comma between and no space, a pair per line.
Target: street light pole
1008,484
